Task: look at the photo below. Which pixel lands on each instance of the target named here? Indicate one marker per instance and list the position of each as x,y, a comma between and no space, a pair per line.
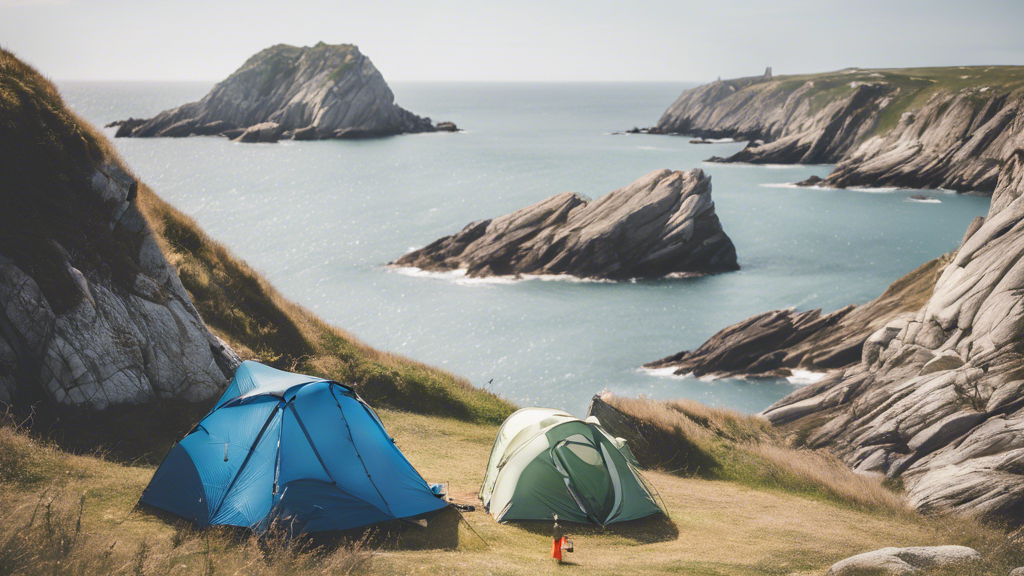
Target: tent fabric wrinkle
289,448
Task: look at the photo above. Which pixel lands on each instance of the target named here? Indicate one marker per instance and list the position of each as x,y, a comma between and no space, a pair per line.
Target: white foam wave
669,372
925,200
459,277
805,377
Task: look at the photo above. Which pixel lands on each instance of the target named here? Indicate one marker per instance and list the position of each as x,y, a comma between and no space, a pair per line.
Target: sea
322,220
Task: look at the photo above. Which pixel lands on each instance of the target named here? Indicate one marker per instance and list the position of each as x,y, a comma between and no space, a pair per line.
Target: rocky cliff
775,343
938,396
322,91
91,313
662,224
914,128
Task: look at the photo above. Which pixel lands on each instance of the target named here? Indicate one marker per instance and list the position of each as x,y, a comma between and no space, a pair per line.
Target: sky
525,40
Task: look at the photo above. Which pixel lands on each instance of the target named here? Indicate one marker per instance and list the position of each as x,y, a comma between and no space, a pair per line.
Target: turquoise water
321,220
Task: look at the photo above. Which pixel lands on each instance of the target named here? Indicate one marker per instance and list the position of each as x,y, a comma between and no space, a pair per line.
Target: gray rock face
900,561
115,345
954,140
662,224
324,88
775,343
938,397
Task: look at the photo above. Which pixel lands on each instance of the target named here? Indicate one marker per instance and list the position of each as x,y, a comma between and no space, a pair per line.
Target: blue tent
285,446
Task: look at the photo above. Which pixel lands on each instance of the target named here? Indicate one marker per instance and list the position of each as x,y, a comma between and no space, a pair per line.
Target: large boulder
663,224
905,561
326,87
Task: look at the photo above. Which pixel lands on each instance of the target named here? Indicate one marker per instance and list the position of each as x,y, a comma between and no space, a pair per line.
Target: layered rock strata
663,224
775,343
322,91
91,312
938,396
931,128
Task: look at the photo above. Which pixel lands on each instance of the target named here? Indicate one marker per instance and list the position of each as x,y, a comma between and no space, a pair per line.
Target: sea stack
317,92
664,224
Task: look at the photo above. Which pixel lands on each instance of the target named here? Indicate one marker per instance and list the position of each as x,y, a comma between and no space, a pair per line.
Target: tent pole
246,461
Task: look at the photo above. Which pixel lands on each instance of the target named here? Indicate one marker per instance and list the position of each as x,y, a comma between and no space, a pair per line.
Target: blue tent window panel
289,448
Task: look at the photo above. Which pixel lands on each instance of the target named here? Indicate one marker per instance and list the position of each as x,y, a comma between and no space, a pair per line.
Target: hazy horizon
660,41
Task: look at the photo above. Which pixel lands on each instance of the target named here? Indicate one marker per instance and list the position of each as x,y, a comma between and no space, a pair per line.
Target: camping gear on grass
285,447
546,462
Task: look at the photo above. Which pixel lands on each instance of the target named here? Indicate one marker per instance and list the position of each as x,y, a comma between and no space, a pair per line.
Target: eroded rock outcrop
662,224
943,128
775,343
322,91
906,561
938,397
91,313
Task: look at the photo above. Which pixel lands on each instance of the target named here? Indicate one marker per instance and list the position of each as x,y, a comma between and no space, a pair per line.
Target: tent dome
546,462
286,446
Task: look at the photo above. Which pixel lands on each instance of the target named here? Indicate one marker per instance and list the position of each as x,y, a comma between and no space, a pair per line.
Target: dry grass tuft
49,537
689,438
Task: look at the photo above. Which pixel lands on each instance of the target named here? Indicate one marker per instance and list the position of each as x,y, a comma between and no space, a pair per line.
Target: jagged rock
307,133
775,343
811,181
913,560
265,132
329,88
952,140
125,127
446,127
662,224
91,313
940,393
114,346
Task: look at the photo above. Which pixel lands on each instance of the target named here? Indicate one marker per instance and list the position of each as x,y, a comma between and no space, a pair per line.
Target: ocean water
322,220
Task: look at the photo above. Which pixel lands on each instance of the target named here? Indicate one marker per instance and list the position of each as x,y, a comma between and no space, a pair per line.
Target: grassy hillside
66,514
916,85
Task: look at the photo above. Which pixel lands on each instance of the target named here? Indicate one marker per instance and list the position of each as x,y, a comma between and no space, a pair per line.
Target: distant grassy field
717,527
916,85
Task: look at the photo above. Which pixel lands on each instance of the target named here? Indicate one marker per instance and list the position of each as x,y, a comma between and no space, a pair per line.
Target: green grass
914,86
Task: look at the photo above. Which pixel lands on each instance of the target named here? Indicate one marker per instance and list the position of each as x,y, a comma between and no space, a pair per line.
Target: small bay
322,219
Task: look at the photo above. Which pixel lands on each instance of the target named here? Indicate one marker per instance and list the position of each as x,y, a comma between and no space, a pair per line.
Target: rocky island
308,93
912,128
663,224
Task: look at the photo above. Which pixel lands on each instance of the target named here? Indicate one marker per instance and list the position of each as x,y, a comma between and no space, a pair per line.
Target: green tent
546,462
